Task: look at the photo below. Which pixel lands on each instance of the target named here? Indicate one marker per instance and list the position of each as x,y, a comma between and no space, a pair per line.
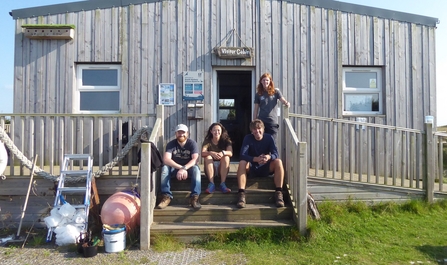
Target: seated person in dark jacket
259,157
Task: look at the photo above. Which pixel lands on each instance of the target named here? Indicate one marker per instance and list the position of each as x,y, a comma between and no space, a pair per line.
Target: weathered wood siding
304,47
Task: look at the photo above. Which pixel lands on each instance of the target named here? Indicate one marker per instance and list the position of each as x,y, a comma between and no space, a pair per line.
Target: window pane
226,102
361,102
361,79
97,101
99,77
227,114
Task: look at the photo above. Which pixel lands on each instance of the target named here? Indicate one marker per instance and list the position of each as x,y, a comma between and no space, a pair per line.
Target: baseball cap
181,127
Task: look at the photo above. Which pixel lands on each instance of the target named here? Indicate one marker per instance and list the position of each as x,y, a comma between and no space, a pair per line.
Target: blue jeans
168,172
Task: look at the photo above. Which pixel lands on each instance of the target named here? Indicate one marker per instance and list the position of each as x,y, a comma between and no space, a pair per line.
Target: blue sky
431,8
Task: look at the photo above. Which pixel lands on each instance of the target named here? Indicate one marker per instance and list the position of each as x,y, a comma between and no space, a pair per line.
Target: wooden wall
304,47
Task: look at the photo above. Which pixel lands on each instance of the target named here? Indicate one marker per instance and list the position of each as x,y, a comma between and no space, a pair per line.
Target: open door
235,105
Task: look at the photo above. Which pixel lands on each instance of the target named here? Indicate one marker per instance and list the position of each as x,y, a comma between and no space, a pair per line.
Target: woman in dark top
216,151
266,99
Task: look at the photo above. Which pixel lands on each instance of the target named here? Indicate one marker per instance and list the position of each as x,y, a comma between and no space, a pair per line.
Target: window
227,109
362,90
98,88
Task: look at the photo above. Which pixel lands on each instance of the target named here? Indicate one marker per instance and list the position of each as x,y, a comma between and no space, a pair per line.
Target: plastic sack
67,211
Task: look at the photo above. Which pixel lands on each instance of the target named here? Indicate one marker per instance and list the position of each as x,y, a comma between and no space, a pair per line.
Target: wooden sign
233,52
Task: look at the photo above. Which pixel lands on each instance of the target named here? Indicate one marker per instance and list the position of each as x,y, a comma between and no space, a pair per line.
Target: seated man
180,161
259,157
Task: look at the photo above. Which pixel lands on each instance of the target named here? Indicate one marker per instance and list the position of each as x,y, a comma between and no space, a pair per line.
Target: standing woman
216,151
266,99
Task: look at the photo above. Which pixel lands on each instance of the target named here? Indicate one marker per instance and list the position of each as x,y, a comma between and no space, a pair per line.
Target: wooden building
202,59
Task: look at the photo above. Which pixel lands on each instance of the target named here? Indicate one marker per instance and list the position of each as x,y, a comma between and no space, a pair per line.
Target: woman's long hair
270,89
224,140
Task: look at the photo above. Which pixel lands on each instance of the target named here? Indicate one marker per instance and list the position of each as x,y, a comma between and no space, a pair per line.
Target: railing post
145,195
429,181
302,188
286,113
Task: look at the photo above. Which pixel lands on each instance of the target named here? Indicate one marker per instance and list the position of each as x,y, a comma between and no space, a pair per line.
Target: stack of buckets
114,237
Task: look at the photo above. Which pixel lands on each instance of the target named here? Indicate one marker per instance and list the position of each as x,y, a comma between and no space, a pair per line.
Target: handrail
375,125
296,179
149,181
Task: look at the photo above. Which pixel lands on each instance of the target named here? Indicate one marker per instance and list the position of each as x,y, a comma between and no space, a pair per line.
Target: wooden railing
149,181
50,136
295,163
371,153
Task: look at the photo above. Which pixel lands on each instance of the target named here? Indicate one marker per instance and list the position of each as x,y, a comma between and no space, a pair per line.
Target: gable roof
328,4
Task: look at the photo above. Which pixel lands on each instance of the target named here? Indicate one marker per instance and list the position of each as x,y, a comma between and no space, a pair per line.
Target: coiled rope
39,172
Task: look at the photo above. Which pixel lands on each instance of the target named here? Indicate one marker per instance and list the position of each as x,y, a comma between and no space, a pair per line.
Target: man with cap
180,161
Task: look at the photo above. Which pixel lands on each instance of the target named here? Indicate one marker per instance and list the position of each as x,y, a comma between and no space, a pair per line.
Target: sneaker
165,200
224,188
194,201
211,188
279,199
241,200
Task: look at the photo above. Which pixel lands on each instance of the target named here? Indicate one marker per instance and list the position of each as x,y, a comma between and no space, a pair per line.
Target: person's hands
287,104
216,155
182,174
263,159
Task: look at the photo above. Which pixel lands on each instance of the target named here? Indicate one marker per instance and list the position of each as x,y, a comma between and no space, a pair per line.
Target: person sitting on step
217,150
259,157
180,161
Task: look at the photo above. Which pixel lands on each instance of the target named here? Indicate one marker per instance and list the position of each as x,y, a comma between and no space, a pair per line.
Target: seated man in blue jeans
180,161
259,156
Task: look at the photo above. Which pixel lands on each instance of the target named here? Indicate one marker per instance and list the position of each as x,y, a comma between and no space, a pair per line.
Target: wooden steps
192,231
219,212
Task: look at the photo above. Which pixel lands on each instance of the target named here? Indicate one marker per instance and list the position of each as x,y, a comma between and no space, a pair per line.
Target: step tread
233,192
221,207
73,189
75,172
212,226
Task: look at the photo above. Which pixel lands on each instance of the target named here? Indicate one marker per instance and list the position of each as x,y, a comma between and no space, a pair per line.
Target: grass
350,233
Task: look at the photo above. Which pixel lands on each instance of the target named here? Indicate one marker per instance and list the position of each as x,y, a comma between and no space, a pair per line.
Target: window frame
81,88
378,90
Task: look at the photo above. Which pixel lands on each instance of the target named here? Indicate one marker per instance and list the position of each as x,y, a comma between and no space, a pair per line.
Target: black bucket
90,251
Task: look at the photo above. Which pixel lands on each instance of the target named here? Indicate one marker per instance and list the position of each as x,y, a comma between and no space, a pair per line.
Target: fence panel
51,136
367,152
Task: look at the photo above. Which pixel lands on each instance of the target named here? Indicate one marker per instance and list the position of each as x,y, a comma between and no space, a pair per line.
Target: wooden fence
50,136
371,153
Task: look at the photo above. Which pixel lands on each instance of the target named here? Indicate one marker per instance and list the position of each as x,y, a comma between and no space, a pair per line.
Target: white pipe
3,158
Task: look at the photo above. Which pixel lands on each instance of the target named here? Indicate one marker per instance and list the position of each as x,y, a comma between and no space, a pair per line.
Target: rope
38,171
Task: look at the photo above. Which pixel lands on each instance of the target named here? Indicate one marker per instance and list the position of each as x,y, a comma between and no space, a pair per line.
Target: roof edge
334,5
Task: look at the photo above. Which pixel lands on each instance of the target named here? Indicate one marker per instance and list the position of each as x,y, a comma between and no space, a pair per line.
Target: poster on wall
166,94
193,85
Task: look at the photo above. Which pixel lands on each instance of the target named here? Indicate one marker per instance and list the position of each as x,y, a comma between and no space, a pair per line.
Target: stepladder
74,190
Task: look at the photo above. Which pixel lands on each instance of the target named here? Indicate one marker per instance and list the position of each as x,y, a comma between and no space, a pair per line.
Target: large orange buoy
122,208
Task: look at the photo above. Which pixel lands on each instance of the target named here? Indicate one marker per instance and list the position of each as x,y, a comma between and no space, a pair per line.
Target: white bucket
114,240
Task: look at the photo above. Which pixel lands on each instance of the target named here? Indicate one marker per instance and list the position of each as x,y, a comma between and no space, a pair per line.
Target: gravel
68,255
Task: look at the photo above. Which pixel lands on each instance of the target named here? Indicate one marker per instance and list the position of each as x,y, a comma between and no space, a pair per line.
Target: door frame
215,99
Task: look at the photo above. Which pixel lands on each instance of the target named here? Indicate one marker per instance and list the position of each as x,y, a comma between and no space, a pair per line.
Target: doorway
235,105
